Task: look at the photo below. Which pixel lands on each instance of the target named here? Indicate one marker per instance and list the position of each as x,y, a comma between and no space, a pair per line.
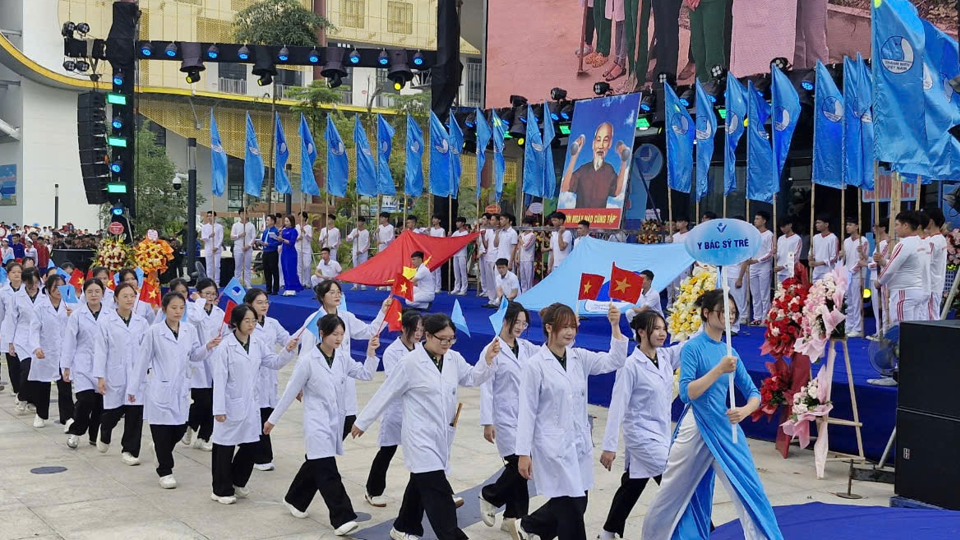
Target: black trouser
429,491
624,500
510,490
201,412
377,479
24,393
560,517
271,271
232,469
264,452
666,13
39,394
588,30
86,417
348,422
165,438
13,369
321,475
64,399
132,427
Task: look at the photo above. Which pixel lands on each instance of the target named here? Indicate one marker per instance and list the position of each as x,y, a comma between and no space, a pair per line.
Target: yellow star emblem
587,286
153,293
622,285
403,288
81,280
409,272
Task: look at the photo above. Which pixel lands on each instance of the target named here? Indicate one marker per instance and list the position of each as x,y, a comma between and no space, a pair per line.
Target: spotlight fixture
83,66
263,66
171,50
384,58
666,78
243,53
67,29
284,54
146,50
116,166
649,101
518,127
265,80
601,88
213,52
782,63
118,78
83,28
554,109
314,56
355,57
687,96
117,123
558,94
333,66
193,76
399,72
471,119
566,112
418,59
516,101
809,81
69,65
192,63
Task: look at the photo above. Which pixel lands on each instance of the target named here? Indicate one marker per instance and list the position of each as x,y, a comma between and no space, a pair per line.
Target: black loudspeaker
929,370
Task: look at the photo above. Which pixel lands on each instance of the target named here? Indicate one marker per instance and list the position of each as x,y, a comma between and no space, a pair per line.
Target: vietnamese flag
150,294
625,285
402,287
590,286
394,316
111,284
76,279
228,310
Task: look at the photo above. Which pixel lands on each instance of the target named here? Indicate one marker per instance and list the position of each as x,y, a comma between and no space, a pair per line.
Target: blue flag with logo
338,164
311,324
385,132
786,114
253,163
533,157
69,294
680,135
484,134
439,158
413,170
235,291
366,169
900,130
281,181
549,166
499,164
852,133
66,276
459,321
736,100
308,156
942,103
864,80
761,184
706,129
456,146
218,160
4,279
496,320
827,131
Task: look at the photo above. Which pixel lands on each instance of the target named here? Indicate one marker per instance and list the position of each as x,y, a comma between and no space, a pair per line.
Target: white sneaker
168,482
206,446
187,437
73,441
102,446
854,334
397,535
21,407
31,407
509,525
458,501
607,535
346,528
488,512
375,500
241,492
129,459
524,535
223,500
293,510
66,427
38,422
264,466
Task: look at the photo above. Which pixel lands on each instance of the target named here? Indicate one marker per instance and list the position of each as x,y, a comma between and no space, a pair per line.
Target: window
237,72
352,13
474,82
400,17
289,77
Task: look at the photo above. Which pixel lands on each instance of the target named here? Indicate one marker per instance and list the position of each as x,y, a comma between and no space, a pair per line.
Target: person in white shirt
788,249
30,252
877,294
460,278
583,231
211,234
683,228
825,248
649,298
385,232
304,246
508,286
901,274
734,274
436,231
412,224
561,240
938,260
330,236
925,257
243,234
507,239
360,237
854,257
528,253
490,255
327,268
761,269
483,283
424,290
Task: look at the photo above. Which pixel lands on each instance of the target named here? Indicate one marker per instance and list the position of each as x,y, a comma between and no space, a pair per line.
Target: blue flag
140,274
761,184
786,114
496,320
343,302
483,140
413,174
51,264
736,100
280,181
311,324
942,103
900,130
235,291
218,160
62,273
865,81
533,157
680,134
827,131
253,163
706,130
852,134
549,166
308,156
385,131
338,164
499,164
366,169
68,293
456,146
4,279
439,158
459,321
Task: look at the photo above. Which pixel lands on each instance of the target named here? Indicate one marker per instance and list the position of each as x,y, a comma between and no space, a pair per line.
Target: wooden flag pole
670,205
724,206
813,205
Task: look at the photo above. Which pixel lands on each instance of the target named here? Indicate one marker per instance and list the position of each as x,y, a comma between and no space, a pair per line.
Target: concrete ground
97,496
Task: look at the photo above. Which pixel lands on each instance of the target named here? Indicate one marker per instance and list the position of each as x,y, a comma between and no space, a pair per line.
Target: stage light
554,111
384,58
171,50
471,120
520,141
809,81
715,87
284,54
146,50
649,101
688,96
418,59
333,66
118,78
82,66
399,73
518,128
265,80
866,293
114,98
83,28
263,66
601,88
566,112
67,29
643,123
314,56
116,166
192,63
781,63
558,94
193,76
69,65
118,142
762,85
243,53
355,57
117,123
213,52
117,210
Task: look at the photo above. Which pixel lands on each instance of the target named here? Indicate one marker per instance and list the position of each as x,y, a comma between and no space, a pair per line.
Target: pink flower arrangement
822,314
953,249
809,403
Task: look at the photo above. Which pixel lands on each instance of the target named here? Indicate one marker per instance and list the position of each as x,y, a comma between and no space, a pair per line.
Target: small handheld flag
150,294
69,294
76,278
3,276
402,287
459,321
235,291
50,264
311,325
625,285
343,302
228,310
139,272
497,318
394,317
63,273
589,286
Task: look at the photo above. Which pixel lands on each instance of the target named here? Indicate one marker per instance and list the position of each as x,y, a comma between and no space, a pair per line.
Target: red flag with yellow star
625,285
590,286
394,317
149,293
76,279
402,287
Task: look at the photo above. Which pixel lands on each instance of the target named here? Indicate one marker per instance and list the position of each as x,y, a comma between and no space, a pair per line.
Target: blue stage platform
877,404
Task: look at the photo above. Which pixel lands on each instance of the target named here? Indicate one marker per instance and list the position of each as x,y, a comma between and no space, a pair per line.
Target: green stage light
119,142
643,123
116,188
564,129
116,99
723,113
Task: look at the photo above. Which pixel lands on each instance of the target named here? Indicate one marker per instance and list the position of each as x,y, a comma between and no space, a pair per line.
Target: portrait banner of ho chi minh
597,167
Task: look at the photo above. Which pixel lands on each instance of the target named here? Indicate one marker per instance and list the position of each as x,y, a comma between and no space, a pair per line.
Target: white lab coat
500,396
6,296
167,396
641,403
121,345
16,323
553,428
429,400
208,326
46,332
82,343
273,335
392,421
236,373
324,397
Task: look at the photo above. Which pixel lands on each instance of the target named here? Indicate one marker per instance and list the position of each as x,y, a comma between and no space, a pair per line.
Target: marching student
16,333
703,443
327,268
429,407
122,331
236,432
761,269
902,273
423,284
46,335
788,251
881,241
527,254
145,309
7,290
824,248
330,236
854,256
437,231
207,318
103,274
321,375
82,344
385,232
938,260
499,410
243,234
553,432
359,237
211,234
460,277
168,349
508,286
390,425
641,407
304,247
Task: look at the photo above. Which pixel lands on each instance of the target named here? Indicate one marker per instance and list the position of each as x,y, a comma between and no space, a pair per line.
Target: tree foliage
279,22
158,205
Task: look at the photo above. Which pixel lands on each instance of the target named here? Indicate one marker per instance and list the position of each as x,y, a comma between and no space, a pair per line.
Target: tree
279,22
158,205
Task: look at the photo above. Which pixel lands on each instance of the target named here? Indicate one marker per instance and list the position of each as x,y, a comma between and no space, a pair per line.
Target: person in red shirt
43,252
595,181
